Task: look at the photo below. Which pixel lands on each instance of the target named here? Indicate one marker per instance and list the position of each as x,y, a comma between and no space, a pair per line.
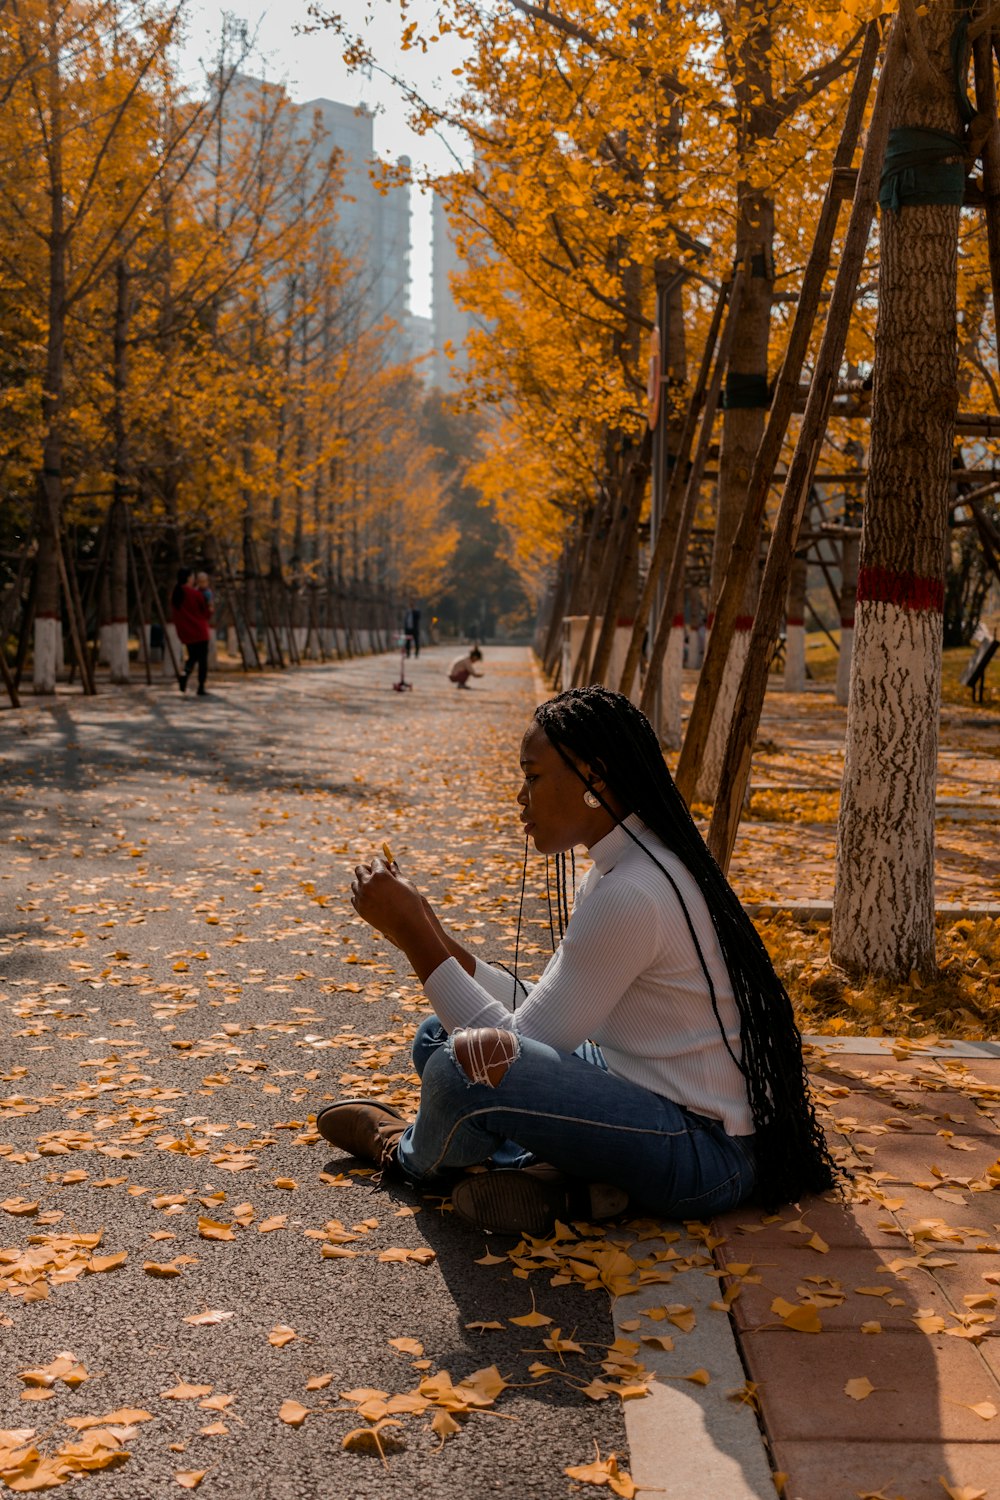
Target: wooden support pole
602,511
681,519
8,678
753,683
633,485
270,628
666,537
157,606
745,543
232,595
27,625
137,591
74,615
986,104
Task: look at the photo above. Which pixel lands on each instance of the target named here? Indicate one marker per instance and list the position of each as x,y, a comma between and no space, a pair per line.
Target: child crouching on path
656,1061
464,667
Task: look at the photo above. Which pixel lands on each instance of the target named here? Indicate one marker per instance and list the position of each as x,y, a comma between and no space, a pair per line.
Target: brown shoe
365,1128
531,1199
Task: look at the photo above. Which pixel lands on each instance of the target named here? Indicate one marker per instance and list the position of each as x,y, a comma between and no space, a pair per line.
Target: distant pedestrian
464,667
192,614
411,629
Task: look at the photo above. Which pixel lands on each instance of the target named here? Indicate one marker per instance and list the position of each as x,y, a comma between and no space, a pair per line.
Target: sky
311,68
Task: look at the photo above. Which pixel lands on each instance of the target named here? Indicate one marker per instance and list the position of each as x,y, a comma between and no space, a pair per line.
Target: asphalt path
182,984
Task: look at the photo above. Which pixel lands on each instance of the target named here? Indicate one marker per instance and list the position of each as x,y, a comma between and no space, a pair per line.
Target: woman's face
551,798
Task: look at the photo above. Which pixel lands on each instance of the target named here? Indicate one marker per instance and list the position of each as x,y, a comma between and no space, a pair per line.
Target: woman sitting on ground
656,1061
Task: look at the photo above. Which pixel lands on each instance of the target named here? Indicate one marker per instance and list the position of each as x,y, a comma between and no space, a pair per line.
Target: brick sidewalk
900,1284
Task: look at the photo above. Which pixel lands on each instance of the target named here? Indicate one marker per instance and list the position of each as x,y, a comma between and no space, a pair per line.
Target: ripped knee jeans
492,1095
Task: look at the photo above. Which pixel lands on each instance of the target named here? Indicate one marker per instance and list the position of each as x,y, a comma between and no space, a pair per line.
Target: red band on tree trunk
907,590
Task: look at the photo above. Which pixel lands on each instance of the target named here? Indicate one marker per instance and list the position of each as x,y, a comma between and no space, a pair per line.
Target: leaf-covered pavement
197,1294
183,984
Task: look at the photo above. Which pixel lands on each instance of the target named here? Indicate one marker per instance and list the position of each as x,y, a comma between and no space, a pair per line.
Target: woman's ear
595,776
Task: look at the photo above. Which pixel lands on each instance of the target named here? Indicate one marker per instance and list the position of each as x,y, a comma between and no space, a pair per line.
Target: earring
590,799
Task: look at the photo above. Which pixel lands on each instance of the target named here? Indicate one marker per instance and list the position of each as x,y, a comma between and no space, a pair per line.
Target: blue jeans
568,1110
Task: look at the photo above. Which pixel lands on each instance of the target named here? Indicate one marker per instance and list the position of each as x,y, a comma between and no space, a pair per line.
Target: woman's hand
388,902
397,909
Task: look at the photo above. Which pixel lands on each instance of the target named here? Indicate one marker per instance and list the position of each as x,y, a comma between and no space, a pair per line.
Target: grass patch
962,1001
793,807
821,659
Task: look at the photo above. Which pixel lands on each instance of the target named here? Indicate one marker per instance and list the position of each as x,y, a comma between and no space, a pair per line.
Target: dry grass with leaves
821,659
962,1002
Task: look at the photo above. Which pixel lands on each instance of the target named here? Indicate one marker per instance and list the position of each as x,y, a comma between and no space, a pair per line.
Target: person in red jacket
191,616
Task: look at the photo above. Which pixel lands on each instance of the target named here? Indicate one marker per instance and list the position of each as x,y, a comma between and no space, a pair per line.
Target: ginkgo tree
190,348
605,141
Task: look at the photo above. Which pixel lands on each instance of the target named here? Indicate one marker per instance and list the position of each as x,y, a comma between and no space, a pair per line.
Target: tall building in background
451,323
373,231
373,224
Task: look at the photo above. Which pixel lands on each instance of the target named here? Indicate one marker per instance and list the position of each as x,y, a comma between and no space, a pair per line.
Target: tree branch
581,34
985,22
816,80
915,44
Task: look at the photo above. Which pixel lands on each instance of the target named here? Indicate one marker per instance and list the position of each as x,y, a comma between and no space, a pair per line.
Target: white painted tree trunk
238,644
180,653
795,658
47,654
115,637
715,749
673,677
844,663
886,828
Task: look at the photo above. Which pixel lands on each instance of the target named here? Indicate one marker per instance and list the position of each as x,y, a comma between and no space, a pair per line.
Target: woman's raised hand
388,902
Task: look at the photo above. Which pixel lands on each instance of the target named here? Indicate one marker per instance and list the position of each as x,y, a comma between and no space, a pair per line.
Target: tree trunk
116,638
117,626
48,627
883,911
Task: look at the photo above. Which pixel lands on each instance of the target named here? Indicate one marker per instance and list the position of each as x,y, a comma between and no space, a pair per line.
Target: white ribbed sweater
627,976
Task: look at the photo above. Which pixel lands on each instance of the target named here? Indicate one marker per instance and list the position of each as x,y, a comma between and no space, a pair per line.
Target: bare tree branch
817,79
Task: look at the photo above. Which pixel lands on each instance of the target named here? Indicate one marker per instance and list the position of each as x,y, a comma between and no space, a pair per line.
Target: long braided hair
605,732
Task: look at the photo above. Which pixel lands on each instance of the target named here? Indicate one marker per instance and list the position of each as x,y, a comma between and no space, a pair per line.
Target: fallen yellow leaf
444,1425
125,1416
212,1229
293,1413
276,1221
98,1263
961,1491
407,1346
423,1255
604,1472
